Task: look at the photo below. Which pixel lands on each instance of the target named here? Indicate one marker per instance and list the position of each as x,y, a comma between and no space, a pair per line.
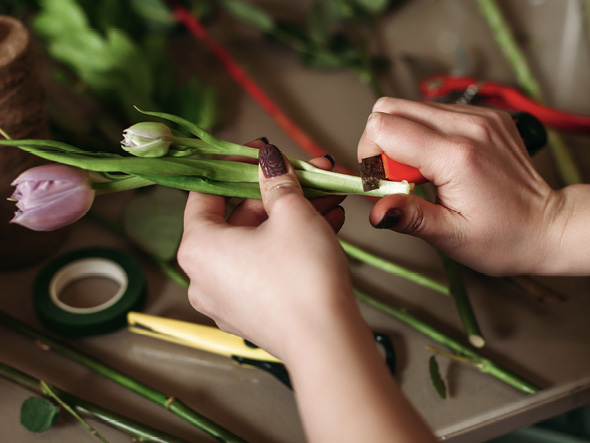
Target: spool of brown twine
22,115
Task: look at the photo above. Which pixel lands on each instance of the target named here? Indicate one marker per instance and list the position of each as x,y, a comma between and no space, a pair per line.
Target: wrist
568,238
328,324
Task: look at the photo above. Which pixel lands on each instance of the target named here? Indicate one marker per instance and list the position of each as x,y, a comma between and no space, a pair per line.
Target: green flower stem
457,287
52,393
402,315
514,55
125,184
138,431
458,291
393,268
460,295
212,176
483,364
454,357
510,48
336,183
201,147
175,406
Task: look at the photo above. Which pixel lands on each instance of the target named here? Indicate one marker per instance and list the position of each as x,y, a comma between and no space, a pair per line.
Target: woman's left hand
251,212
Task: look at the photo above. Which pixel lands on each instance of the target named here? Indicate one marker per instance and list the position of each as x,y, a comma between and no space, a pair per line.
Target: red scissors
530,119
504,97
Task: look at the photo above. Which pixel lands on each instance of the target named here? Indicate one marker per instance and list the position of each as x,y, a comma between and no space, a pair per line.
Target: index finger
403,140
203,209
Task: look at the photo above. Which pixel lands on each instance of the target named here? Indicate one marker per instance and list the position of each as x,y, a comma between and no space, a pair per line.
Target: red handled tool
381,167
530,118
435,87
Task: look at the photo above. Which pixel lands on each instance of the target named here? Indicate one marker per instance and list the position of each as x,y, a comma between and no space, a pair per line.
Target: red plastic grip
396,171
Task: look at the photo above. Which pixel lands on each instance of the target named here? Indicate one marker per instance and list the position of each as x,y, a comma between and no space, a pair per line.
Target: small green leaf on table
436,379
38,414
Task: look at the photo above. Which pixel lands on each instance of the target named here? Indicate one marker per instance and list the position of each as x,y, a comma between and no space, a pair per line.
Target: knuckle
287,187
496,115
285,199
384,103
184,255
199,301
414,225
375,125
283,193
481,127
464,151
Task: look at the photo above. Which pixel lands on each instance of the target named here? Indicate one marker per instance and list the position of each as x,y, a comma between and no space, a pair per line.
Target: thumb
276,176
412,215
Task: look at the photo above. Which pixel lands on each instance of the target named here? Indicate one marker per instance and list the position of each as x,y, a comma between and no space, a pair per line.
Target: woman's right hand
493,211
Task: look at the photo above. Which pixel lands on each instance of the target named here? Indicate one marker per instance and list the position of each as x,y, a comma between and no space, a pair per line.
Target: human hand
281,280
493,211
271,281
251,212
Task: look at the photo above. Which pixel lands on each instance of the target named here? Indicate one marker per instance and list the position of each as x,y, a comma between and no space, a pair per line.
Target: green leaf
341,10
249,14
232,148
56,17
153,220
324,60
373,7
110,64
319,22
38,414
436,379
155,13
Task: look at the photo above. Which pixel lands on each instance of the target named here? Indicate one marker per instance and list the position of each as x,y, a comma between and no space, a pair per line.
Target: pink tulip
51,196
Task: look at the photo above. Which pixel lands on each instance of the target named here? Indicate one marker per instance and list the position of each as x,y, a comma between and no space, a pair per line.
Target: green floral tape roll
99,318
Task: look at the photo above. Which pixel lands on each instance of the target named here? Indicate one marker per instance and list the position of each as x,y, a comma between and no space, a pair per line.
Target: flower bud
147,139
51,196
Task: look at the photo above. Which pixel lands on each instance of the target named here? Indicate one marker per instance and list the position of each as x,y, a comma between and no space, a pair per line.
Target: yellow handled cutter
214,340
207,338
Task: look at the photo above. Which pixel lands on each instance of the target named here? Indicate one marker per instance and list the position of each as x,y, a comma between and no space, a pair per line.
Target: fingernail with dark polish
390,219
331,158
263,140
271,161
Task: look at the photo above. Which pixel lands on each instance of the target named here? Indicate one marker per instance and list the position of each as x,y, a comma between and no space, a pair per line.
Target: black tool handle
531,130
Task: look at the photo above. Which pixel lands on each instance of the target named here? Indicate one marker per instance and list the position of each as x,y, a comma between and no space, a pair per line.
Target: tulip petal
51,196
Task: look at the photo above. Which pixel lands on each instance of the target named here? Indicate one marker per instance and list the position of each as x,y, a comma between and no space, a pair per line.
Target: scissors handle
504,97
